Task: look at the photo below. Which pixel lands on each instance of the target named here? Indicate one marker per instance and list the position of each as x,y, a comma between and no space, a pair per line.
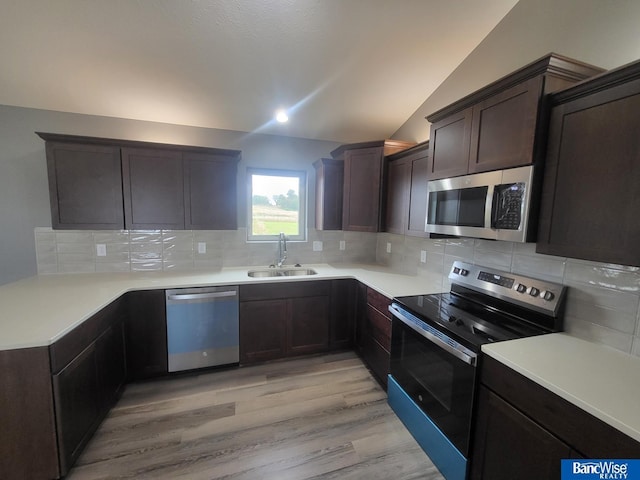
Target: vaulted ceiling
347,70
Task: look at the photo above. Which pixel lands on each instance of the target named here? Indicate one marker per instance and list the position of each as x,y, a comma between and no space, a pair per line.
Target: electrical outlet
202,247
388,247
317,246
101,250
343,245
423,256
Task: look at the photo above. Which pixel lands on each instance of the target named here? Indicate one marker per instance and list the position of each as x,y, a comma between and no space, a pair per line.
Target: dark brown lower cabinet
263,330
342,313
511,445
112,366
146,334
88,385
27,424
308,326
522,430
283,319
373,331
77,401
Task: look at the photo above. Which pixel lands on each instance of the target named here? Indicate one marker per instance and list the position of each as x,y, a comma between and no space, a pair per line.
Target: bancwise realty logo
600,469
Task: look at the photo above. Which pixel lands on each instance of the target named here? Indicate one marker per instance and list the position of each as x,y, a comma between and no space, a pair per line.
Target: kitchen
605,306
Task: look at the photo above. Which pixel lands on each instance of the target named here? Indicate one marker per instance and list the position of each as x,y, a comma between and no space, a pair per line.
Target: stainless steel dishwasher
202,327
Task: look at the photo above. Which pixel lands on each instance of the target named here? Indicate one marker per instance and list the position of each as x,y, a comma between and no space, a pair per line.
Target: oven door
436,372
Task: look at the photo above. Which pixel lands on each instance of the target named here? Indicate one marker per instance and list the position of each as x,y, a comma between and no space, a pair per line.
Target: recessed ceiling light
281,116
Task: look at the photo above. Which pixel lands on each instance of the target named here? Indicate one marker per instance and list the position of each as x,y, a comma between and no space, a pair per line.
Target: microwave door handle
491,206
495,206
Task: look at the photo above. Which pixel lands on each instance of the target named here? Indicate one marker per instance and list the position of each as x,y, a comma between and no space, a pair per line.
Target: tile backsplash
76,251
603,304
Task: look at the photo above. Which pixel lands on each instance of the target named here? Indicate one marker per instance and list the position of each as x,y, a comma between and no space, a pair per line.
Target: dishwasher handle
201,296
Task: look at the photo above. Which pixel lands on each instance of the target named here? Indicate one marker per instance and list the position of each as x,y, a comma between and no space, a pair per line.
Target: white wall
600,32
24,198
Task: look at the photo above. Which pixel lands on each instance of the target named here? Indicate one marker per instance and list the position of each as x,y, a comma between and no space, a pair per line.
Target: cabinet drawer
380,327
379,302
270,291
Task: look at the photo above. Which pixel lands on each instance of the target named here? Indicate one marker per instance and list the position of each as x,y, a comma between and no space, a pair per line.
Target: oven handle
468,358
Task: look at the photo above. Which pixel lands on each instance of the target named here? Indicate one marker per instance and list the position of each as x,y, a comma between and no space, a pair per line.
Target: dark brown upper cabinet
503,124
98,183
363,187
591,188
210,191
329,185
406,205
153,185
85,186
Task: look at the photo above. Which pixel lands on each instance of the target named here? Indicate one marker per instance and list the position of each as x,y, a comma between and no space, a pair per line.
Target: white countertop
598,379
39,310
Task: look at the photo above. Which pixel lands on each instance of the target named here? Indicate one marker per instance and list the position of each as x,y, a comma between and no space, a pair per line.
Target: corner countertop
598,379
39,310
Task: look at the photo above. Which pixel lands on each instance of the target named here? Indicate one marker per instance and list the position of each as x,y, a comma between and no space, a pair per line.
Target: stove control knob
452,318
547,295
534,292
456,270
459,322
521,288
464,272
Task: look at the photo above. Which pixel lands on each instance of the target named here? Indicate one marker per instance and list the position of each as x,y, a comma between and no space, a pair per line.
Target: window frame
301,175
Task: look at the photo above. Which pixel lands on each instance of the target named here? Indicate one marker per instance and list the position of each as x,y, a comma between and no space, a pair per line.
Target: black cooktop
487,305
468,322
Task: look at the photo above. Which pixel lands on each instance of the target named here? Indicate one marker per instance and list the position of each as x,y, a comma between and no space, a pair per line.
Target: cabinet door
329,187
146,334
341,318
362,189
210,192
508,444
398,190
308,328
361,330
111,365
153,188
591,199
450,139
263,325
77,404
504,128
28,447
418,197
85,186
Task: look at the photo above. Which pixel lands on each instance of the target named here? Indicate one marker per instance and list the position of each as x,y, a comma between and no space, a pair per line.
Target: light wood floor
309,418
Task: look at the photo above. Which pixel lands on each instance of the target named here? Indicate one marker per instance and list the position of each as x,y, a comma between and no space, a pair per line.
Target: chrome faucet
282,250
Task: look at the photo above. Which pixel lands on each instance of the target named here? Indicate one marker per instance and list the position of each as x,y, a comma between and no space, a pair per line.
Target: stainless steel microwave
497,205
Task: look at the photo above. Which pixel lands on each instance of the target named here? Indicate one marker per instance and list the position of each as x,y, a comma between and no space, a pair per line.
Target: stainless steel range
435,347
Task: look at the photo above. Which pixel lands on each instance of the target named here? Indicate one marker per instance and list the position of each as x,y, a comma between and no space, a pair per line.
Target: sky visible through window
275,204
269,185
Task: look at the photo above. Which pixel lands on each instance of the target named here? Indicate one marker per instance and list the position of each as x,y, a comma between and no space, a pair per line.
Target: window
277,203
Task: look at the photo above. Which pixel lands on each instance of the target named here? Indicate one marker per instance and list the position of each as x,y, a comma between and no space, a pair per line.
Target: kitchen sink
281,272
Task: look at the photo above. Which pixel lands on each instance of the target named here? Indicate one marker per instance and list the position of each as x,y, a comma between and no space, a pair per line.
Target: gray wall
600,32
24,198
